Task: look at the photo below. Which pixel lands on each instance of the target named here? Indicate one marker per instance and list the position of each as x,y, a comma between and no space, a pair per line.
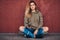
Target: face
32,6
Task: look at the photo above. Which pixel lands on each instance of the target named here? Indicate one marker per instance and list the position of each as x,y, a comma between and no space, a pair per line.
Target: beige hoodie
35,21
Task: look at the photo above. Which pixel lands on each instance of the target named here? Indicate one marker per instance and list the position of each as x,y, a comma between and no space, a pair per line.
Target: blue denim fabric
28,32
40,32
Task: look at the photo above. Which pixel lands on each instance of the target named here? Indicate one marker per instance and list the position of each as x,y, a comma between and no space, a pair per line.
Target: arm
40,20
25,21
40,23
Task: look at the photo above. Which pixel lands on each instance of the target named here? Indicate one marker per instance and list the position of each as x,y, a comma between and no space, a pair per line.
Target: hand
28,27
35,32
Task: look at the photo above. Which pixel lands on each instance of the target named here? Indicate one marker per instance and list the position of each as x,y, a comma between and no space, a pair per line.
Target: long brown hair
28,9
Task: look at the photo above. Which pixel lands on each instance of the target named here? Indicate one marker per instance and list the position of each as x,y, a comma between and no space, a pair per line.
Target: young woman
33,22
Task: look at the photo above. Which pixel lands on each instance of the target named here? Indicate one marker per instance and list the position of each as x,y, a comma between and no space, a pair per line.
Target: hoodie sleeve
25,21
40,20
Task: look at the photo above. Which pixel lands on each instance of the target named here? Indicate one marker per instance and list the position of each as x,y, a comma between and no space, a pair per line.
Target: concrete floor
19,36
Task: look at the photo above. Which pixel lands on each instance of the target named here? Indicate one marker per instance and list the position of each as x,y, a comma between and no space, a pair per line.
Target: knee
45,29
21,28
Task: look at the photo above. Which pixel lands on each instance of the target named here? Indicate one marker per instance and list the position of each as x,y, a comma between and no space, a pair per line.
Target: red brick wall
12,14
